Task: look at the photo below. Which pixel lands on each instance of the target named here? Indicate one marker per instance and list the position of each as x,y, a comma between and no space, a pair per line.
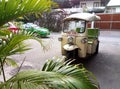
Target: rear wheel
97,48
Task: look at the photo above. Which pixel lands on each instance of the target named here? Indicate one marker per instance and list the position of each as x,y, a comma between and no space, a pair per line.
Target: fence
108,22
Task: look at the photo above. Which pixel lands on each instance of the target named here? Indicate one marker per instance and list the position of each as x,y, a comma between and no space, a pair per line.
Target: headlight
70,39
84,40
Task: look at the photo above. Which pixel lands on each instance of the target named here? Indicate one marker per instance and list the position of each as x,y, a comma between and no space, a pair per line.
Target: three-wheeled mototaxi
77,39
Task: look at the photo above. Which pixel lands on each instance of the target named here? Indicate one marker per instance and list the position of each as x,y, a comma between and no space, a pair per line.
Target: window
96,4
74,26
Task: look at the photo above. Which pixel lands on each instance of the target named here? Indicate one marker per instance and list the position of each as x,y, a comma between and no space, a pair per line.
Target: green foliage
10,62
11,9
13,43
54,75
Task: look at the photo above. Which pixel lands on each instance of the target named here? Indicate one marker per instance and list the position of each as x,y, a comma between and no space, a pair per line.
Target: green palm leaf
11,9
14,43
83,78
62,76
11,62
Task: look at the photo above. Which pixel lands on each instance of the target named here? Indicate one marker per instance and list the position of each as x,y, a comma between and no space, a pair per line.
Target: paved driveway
106,65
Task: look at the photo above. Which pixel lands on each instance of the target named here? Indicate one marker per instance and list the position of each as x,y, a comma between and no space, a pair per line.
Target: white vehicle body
77,38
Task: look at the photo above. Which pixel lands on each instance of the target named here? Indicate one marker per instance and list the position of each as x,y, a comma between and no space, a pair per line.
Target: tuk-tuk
77,40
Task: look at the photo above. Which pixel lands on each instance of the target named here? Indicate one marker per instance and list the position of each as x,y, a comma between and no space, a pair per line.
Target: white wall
113,9
113,6
117,9
89,3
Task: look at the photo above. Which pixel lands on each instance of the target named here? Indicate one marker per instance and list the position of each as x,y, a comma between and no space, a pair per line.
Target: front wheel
69,54
72,54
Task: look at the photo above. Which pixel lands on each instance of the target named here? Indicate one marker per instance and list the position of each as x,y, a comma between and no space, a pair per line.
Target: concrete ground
106,65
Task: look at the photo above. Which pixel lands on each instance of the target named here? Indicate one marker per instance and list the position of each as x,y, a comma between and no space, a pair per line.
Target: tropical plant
12,43
11,9
55,74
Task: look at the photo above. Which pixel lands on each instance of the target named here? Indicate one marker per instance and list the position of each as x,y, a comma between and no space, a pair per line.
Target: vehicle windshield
29,25
35,26
77,26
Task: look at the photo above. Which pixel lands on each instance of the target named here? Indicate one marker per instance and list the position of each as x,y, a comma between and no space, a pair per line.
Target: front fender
69,47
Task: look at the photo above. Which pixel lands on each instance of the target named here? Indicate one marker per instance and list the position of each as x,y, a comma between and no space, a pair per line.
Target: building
93,3
113,6
97,6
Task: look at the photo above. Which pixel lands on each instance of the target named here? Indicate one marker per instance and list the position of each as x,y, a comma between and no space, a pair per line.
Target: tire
68,55
72,54
97,48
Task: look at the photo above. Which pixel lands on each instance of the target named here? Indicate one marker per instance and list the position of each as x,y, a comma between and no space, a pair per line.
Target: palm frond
82,76
61,75
11,9
4,32
11,62
14,43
